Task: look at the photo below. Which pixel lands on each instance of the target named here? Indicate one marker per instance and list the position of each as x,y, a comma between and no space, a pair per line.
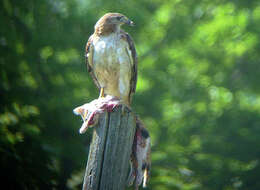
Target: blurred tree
198,90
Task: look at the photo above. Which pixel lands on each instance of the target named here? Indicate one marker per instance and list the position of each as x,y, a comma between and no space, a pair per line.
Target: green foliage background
198,90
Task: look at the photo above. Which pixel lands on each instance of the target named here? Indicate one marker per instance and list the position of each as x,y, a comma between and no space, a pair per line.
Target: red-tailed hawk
111,58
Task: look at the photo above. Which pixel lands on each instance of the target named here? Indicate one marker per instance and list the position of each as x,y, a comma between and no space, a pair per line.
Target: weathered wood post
110,150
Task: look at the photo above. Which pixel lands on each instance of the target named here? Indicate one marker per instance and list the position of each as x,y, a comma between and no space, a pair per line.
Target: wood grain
110,151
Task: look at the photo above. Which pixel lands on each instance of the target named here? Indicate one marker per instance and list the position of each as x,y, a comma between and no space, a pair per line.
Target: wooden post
110,150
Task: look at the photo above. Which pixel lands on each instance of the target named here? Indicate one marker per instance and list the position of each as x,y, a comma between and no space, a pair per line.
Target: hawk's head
111,22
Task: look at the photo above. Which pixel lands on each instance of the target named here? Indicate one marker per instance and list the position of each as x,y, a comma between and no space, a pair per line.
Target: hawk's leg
101,94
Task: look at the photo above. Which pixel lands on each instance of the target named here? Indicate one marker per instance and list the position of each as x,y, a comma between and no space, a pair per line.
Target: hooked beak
128,21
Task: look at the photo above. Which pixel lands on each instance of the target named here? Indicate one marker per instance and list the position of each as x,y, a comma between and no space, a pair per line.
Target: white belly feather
112,65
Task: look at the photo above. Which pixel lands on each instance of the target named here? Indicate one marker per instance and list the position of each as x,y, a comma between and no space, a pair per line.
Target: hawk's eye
119,17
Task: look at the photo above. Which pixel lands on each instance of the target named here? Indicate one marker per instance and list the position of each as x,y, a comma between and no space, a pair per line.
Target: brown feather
104,27
133,81
88,64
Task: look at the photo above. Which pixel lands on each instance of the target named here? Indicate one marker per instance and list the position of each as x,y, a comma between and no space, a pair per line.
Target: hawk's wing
133,58
89,60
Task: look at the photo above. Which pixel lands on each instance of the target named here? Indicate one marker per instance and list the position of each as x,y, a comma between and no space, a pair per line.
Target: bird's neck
106,29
